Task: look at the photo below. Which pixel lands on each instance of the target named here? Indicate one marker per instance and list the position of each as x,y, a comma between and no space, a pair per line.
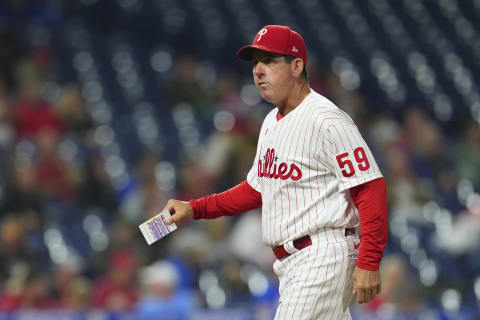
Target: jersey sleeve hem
353,183
253,185
368,267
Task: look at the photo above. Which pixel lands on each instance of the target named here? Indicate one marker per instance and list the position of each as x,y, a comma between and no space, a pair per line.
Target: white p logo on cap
261,33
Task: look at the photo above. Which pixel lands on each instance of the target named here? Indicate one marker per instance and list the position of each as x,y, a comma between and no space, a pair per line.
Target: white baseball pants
317,281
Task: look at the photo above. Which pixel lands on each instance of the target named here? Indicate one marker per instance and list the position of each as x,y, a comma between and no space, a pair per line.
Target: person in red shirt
117,290
32,114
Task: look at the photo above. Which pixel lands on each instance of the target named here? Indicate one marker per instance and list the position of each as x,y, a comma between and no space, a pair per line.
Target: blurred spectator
415,119
38,292
72,290
57,179
430,156
6,128
22,270
190,251
125,236
117,289
246,237
71,109
229,94
144,198
32,114
467,154
464,233
194,179
96,191
384,133
430,153
10,54
161,295
350,101
185,86
21,194
407,194
35,293
232,277
227,157
316,76
432,160
15,250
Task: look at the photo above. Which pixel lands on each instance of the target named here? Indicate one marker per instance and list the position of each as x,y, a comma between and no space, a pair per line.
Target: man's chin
266,97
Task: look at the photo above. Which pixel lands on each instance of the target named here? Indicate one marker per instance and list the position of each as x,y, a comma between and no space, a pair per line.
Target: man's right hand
180,210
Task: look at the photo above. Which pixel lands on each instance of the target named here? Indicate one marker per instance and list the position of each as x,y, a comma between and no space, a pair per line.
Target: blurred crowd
69,238
69,234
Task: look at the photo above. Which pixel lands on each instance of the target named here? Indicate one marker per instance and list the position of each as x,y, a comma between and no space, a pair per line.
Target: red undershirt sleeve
234,201
371,201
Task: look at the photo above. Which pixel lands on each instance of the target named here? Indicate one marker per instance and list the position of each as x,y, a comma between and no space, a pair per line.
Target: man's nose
259,69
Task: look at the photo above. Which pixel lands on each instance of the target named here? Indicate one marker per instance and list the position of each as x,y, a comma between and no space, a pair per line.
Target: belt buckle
290,247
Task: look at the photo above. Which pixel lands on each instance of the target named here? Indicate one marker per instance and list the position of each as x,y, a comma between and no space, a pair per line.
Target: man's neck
297,95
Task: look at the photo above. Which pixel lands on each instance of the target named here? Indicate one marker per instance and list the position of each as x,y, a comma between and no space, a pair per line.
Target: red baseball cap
276,39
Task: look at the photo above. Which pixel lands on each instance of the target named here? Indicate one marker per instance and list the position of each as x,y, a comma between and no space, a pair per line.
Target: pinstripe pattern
310,136
316,282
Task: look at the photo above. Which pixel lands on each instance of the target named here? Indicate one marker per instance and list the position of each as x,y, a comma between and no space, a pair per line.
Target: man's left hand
366,284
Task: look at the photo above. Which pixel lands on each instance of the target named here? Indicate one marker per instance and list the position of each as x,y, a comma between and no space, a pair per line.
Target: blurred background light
224,121
161,61
451,300
250,95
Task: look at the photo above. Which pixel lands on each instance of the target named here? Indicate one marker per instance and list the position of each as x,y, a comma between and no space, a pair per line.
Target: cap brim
246,52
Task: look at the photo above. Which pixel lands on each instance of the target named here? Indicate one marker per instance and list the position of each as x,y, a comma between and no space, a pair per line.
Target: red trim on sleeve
371,201
234,201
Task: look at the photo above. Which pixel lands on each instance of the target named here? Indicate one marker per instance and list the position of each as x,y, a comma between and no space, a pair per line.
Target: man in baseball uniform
316,181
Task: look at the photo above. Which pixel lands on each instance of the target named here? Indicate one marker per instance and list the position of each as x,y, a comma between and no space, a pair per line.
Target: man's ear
297,66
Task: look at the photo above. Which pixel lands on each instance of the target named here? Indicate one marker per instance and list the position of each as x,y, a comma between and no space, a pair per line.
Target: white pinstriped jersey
304,166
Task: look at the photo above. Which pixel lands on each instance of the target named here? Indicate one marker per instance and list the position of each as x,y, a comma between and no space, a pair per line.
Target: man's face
272,75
